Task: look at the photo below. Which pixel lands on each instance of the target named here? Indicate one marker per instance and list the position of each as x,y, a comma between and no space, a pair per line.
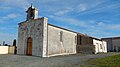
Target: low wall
7,49
3,49
11,50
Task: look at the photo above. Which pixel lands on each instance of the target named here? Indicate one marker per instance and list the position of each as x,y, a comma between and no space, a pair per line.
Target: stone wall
56,46
35,30
86,49
84,40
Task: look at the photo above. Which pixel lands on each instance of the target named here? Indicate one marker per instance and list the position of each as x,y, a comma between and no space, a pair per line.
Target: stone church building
39,38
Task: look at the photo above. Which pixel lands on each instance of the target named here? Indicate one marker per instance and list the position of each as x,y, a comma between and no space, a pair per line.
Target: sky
97,18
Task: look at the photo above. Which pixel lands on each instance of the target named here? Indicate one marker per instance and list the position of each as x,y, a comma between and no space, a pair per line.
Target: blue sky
97,18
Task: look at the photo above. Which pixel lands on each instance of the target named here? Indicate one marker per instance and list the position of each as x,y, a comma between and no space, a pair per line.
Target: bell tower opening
32,12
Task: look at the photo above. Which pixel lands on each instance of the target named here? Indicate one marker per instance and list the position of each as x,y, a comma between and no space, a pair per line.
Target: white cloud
17,3
58,7
108,26
46,1
69,20
64,11
100,23
100,7
114,26
5,8
8,27
81,7
4,19
10,16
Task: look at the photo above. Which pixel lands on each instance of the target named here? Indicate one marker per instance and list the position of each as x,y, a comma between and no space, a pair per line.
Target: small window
61,36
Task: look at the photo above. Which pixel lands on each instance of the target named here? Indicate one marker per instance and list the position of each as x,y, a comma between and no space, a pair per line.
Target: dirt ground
58,61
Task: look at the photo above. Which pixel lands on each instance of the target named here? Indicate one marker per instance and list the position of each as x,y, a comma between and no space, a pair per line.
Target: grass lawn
111,61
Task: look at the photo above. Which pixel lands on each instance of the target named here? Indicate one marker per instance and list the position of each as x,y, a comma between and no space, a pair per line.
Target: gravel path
59,61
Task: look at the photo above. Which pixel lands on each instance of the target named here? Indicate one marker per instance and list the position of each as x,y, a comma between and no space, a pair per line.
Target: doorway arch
29,47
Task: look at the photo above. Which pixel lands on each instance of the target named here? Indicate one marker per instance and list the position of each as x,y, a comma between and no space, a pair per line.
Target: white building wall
45,33
55,46
100,46
104,46
36,13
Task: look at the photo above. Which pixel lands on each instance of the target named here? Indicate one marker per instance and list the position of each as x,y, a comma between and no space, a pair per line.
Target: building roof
111,38
62,28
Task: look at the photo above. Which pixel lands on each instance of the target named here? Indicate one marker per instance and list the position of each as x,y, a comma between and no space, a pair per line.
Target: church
39,38
36,37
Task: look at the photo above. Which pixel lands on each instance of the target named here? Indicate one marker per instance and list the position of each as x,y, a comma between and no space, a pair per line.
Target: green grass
111,61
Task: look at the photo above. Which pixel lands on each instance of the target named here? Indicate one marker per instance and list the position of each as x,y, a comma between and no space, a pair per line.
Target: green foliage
111,61
14,42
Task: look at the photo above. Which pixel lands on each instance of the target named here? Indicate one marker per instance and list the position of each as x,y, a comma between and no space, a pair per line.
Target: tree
14,42
6,45
3,43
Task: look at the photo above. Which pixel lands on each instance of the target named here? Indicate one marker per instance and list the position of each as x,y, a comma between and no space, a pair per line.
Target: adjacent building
113,44
88,44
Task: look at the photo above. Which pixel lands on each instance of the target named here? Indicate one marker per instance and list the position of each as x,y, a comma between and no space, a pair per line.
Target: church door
29,46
